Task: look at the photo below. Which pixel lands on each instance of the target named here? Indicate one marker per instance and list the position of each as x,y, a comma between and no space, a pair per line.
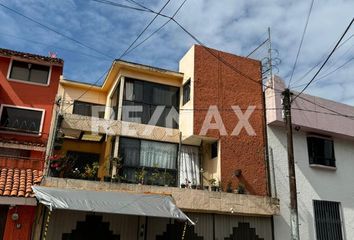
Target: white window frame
315,165
28,82
26,108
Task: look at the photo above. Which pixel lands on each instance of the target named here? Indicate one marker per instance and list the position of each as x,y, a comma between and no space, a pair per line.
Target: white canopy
152,205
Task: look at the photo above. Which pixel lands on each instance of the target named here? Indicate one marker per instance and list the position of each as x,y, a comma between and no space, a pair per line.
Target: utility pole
294,218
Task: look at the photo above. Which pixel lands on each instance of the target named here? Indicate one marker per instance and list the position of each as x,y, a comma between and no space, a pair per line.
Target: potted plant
155,177
57,165
186,183
91,171
168,179
194,184
241,189
140,176
107,166
213,184
229,187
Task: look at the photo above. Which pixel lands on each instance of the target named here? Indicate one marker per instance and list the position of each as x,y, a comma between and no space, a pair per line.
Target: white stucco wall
312,183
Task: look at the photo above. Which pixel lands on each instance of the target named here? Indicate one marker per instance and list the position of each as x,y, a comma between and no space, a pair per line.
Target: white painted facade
313,183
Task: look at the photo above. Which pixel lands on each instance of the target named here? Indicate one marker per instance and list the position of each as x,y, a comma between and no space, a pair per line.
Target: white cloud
229,25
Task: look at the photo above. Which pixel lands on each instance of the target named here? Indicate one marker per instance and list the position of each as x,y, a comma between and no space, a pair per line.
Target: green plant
213,182
241,189
229,187
168,178
140,175
91,170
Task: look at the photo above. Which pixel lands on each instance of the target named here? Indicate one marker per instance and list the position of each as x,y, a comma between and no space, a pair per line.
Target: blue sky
231,25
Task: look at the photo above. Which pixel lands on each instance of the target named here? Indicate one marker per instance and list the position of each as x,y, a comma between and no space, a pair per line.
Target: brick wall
217,84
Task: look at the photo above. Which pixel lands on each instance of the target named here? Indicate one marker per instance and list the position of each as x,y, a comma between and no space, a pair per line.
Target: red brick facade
217,84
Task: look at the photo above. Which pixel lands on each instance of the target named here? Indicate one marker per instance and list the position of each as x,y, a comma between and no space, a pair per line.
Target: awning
151,205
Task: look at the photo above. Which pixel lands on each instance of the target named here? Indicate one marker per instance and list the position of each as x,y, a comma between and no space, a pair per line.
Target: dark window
146,96
29,72
157,160
327,220
15,153
115,102
21,120
88,109
214,150
186,92
321,151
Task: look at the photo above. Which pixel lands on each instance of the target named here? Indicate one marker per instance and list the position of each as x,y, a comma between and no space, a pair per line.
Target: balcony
187,199
73,125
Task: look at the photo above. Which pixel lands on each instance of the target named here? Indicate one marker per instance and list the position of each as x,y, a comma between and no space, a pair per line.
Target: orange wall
29,95
217,84
26,219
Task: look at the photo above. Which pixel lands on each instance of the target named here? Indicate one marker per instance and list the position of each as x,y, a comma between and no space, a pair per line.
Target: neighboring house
28,87
323,151
110,126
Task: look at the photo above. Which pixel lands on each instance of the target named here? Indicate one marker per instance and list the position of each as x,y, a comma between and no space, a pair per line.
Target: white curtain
129,90
189,165
155,154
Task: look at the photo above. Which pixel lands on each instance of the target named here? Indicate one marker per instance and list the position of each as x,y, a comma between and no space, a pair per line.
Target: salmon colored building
28,87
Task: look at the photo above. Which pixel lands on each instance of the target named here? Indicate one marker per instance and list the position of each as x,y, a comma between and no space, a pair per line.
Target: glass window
186,92
214,150
321,151
29,72
156,154
129,150
21,120
88,109
157,160
149,96
115,102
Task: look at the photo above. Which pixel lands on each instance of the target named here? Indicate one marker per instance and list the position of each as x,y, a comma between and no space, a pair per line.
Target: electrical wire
301,42
50,45
55,31
120,5
317,64
158,29
136,39
205,47
324,63
329,73
326,108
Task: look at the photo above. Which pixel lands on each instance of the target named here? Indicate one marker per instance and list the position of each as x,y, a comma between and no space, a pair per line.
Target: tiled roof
18,182
30,56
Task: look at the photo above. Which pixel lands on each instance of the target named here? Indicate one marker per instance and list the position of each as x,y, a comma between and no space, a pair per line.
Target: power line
324,63
302,40
203,45
55,31
317,64
158,29
329,73
137,38
326,108
144,30
119,5
50,45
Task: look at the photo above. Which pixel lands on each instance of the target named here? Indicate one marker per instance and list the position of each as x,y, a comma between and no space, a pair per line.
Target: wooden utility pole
294,218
